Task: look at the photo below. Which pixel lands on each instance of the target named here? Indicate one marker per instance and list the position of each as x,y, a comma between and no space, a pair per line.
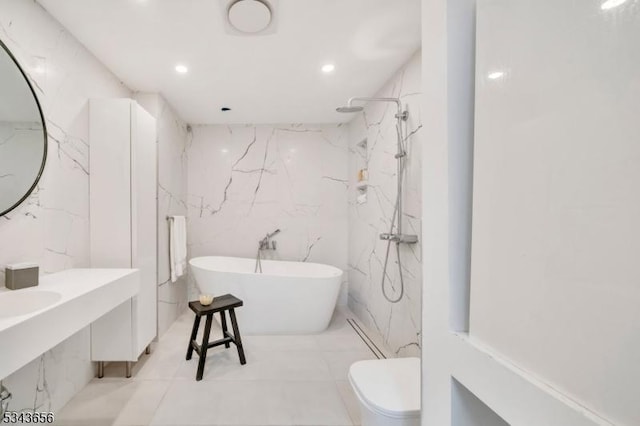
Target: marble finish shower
373,147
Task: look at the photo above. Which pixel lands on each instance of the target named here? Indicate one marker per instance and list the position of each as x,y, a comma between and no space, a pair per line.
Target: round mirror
23,134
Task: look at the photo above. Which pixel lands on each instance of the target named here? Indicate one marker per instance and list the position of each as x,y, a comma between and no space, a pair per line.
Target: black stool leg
204,347
236,336
223,322
194,333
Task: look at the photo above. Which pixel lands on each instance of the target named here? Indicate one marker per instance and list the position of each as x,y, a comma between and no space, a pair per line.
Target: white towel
177,246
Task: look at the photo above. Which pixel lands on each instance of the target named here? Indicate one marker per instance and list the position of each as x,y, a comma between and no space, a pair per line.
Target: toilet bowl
388,391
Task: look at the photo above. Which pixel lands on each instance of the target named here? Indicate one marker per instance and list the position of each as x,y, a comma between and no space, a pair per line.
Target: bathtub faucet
264,243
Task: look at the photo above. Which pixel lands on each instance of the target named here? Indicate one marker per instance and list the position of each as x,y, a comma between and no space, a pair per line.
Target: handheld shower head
350,108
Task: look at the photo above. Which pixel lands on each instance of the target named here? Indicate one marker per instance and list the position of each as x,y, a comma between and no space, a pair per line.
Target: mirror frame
44,131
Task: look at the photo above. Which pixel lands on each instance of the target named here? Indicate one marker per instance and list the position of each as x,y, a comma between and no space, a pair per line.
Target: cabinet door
144,222
110,183
110,218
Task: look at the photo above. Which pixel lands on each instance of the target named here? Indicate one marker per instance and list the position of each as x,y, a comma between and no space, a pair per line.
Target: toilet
388,391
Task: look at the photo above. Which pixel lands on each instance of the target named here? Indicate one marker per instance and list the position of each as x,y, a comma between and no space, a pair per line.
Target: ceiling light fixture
249,16
181,69
328,68
495,75
610,4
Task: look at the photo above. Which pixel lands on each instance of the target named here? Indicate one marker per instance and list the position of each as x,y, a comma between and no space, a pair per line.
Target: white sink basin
22,302
36,319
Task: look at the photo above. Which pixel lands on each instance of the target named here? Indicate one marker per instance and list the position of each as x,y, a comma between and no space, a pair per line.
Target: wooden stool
220,304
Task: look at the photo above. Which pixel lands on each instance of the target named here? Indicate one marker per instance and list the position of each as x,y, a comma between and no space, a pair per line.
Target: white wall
556,229
52,226
397,324
437,353
172,142
519,395
245,181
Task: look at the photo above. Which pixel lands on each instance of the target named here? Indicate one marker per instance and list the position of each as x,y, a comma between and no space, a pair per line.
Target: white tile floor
288,380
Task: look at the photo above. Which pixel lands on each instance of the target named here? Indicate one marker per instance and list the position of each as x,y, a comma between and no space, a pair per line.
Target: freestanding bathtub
286,298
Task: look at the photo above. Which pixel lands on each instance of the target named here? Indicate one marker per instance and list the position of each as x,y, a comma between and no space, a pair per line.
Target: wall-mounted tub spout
277,231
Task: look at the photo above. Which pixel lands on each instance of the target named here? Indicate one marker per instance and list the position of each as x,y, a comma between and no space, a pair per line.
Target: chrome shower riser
395,234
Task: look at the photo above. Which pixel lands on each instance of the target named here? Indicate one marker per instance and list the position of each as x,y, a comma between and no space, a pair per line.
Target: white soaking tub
286,298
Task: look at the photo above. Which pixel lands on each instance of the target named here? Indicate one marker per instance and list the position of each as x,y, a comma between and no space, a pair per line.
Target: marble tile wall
245,181
172,137
52,226
23,140
398,324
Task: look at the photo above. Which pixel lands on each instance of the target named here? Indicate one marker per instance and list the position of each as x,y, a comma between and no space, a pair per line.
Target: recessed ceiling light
610,4
327,68
495,75
181,69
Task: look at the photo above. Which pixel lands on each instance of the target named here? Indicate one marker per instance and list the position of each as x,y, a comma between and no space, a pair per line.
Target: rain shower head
355,108
349,109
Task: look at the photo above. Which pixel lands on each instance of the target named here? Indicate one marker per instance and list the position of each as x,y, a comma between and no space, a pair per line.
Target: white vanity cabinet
123,216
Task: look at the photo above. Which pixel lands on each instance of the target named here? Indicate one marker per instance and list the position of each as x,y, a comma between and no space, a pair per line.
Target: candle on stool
206,299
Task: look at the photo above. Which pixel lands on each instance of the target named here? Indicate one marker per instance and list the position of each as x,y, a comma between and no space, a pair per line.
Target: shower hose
396,217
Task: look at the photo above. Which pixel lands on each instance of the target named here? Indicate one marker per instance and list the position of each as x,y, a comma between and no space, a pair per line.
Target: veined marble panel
20,159
172,141
398,324
52,226
246,181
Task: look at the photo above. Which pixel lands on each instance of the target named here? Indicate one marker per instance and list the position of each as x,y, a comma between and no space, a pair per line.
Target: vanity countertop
75,298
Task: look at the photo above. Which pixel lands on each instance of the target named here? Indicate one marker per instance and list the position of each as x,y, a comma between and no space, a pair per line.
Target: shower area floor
288,380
